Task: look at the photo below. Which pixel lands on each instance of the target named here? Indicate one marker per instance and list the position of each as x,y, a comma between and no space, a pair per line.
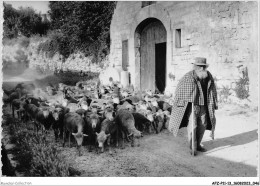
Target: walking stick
192,130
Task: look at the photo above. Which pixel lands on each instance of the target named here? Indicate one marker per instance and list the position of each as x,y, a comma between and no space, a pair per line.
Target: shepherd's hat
200,61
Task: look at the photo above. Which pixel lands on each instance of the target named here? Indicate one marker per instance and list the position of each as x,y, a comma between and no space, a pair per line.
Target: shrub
36,155
241,89
224,93
46,160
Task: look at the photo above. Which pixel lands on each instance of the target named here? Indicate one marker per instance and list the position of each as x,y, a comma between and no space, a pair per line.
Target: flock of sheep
90,111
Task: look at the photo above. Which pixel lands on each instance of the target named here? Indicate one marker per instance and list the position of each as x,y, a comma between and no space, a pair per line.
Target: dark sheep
33,100
74,124
164,106
31,111
7,169
16,107
126,124
93,125
14,95
82,112
141,122
44,118
58,114
108,129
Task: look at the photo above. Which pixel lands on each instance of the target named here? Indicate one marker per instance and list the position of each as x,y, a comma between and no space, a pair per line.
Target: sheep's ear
97,133
74,134
108,135
130,134
85,135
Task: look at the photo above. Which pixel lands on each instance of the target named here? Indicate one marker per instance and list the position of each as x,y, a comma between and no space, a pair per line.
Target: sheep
108,128
74,124
44,118
58,114
93,122
126,123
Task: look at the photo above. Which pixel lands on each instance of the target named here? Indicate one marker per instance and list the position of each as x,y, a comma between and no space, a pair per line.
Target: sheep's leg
96,146
56,134
18,114
69,139
127,137
61,132
108,144
123,139
64,136
154,126
36,126
117,139
12,111
132,141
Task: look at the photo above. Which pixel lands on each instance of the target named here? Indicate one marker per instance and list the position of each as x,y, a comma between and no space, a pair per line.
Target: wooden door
152,34
160,66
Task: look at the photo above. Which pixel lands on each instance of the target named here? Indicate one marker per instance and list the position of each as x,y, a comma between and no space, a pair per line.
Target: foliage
224,93
10,21
24,21
28,21
56,43
36,155
83,26
46,159
241,89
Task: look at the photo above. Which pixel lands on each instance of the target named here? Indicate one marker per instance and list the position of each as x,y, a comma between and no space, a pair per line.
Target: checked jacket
187,91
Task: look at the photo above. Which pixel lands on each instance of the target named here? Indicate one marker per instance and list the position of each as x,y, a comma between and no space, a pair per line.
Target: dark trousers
200,124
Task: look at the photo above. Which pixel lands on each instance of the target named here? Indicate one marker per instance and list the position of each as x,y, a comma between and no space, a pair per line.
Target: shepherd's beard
202,74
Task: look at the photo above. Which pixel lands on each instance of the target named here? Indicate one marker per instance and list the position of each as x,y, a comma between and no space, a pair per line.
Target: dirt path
232,154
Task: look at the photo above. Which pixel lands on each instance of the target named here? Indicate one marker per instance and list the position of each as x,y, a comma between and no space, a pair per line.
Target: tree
10,21
24,21
84,26
28,21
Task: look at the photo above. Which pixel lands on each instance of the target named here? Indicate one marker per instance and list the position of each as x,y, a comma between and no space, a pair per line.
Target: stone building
157,41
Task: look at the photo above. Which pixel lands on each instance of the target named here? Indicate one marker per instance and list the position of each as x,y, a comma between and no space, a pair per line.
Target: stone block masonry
225,32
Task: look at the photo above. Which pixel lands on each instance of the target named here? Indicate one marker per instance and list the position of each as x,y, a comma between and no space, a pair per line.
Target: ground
233,152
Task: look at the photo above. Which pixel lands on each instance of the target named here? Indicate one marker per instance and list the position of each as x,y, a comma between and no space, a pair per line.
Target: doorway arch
143,18
150,40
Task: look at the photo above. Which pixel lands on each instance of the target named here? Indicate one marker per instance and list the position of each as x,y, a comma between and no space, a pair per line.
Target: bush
46,160
241,89
24,21
51,45
37,156
224,93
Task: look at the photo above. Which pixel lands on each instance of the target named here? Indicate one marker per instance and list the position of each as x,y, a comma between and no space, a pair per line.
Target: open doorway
160,66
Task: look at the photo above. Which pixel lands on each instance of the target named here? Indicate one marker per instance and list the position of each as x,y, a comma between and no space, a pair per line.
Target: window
125,55
178,38
147,3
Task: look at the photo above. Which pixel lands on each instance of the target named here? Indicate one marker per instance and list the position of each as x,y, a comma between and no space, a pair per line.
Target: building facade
156,42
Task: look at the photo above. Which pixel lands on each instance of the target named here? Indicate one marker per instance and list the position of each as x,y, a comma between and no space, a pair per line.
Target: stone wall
226,33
